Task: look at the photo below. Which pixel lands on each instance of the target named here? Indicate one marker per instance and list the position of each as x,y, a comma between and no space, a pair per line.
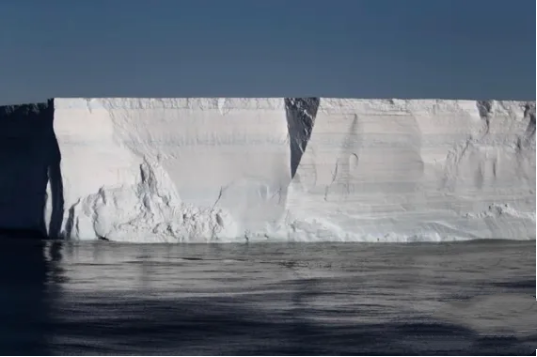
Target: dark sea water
474,298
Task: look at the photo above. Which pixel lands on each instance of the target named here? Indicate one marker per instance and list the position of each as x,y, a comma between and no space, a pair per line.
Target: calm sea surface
103,298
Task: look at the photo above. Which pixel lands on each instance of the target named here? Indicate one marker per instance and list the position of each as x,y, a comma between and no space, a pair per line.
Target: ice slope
301,169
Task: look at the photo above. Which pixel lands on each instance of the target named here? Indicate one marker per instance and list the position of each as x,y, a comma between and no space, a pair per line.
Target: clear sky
468,49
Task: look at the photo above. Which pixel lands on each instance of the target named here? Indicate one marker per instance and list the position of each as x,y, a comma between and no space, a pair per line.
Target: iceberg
268,169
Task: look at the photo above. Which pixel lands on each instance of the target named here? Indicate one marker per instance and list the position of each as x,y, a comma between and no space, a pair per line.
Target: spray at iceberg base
294,169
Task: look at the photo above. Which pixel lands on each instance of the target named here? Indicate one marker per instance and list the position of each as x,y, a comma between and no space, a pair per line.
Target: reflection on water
105,298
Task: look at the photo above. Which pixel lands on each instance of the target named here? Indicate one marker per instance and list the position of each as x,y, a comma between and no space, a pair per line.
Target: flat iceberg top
332,104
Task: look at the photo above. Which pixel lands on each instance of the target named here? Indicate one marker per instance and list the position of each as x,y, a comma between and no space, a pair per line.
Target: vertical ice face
229,157
236,169
363,157
29,163
416,170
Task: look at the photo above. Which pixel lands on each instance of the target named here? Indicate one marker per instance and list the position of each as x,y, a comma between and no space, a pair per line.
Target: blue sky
355,48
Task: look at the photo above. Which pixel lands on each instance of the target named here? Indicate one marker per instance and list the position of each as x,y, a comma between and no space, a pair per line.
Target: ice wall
172,169
29,168
416,170
302,169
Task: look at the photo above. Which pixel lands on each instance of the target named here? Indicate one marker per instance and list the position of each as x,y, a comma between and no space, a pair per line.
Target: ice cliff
29,171
269,169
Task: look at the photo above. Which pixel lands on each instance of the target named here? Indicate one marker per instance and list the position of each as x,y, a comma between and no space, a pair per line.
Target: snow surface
299,169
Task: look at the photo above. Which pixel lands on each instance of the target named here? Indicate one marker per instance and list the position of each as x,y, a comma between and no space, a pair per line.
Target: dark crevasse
29,159
300,114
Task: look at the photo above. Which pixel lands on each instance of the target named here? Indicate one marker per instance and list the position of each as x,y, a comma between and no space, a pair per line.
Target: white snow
221,170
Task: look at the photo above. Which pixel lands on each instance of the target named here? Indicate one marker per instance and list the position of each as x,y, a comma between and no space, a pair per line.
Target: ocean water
473,298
